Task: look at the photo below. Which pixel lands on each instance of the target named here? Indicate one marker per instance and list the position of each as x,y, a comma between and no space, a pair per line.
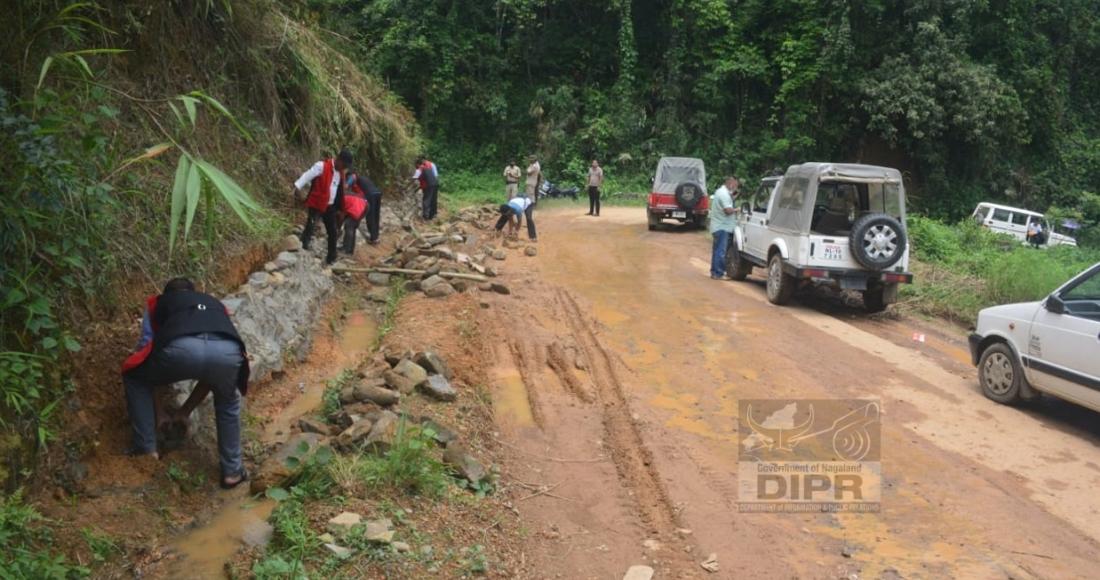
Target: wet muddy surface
642,432
242,520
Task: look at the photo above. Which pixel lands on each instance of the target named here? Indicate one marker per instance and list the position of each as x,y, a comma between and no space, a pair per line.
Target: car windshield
839,204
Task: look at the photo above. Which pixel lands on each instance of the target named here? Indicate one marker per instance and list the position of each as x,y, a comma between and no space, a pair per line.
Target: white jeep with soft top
825,223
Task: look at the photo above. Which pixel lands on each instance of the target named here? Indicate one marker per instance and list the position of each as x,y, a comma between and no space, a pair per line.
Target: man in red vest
428,176
325,198
187,335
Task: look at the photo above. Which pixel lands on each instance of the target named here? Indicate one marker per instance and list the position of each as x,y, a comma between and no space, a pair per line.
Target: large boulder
398,382
383,433
412,371
432,363
439,388
378,395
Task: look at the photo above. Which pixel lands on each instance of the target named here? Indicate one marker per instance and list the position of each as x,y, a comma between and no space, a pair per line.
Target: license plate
833,252
679,214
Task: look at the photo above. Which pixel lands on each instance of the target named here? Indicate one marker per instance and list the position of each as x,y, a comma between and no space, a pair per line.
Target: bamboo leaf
176,111
191,105
221,109
42,73
84,65
179,191
154,151
239,200
194,184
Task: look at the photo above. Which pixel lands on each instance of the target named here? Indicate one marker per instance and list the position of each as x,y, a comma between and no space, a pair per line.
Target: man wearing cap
325,198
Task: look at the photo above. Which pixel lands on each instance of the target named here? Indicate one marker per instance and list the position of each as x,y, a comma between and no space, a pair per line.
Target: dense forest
974,99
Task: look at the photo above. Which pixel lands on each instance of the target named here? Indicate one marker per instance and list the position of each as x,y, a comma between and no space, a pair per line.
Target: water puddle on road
242,521
511,404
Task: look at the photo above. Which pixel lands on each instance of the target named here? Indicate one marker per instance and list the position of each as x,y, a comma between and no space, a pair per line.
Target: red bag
355,206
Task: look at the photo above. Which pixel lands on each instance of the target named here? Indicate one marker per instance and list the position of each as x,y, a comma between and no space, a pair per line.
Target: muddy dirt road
619,366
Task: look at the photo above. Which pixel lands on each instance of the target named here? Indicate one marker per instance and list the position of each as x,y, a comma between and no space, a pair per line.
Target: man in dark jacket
187,335
362,185
324,198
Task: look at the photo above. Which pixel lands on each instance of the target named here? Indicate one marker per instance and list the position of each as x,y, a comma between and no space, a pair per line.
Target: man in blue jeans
187,335
722,223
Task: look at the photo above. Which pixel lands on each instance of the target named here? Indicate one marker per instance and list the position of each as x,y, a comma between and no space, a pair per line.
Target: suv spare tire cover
877,241
688,195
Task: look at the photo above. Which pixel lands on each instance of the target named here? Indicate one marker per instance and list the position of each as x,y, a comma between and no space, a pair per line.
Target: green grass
330,400
389,312
408,466
26,544
960,269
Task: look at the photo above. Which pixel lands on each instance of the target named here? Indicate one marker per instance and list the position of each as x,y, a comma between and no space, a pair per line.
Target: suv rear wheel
1000,374
737,266
780,285
654,221
874,299
688,195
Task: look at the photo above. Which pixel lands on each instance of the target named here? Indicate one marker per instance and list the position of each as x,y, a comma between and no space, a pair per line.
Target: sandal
244,478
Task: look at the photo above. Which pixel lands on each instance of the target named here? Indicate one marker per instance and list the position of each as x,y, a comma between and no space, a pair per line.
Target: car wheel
737,266
877,241
1000,374
780,286
874,299
654,221
700,222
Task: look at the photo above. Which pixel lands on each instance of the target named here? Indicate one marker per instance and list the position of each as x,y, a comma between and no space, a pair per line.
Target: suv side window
760,199
1019,219
1002,215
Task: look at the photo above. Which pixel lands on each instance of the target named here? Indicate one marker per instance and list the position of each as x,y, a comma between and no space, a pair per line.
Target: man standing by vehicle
595,181
325,198
534,178
428,177
512,173
722,224
187,335
1035,233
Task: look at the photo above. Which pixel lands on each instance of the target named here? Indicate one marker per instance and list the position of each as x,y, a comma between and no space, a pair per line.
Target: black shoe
244,478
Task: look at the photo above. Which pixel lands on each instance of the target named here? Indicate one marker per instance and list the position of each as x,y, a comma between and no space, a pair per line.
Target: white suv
826,223
1049,346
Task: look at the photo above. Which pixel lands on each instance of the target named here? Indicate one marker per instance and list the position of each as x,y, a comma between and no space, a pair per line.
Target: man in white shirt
595,181
324,198
722,223
513,211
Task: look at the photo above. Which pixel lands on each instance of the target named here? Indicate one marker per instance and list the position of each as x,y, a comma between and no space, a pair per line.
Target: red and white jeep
679,192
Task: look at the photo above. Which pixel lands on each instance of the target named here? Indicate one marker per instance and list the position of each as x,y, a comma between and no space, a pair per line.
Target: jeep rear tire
1000,374
699,221
874,299
877,241
653,220
737,267
688,195
780,285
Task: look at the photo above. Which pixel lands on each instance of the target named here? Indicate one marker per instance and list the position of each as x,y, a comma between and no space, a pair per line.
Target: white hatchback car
1051,346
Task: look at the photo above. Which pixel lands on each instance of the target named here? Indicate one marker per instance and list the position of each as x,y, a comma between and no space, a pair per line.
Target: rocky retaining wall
275,312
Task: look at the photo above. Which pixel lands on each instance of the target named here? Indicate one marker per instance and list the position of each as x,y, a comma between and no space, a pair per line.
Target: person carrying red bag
361,199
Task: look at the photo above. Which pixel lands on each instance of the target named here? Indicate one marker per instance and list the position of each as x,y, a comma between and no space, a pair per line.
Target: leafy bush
963,268
25,542
409,464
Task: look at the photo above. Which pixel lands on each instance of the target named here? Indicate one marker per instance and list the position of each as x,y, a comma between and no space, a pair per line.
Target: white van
1014,221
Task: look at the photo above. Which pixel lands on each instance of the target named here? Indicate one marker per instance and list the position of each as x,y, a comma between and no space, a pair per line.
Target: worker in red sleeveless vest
187,335
427,174
325,198
362,199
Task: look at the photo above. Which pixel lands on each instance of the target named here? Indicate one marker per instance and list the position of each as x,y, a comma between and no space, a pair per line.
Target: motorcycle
551,190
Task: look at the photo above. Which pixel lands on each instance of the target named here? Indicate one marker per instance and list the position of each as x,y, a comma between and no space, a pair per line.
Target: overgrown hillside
124,121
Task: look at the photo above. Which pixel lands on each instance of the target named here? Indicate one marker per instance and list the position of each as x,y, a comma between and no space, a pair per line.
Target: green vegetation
973,100
26,542
389,312
106,153
963,268
409,466
330,400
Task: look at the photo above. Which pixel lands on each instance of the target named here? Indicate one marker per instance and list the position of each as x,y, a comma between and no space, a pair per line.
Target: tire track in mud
560,363
632,459
521,356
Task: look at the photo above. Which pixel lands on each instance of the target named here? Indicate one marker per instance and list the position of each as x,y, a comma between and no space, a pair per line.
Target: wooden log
406,271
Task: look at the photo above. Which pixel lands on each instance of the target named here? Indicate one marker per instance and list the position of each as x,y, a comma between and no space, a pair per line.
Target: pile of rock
369,418
446,261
